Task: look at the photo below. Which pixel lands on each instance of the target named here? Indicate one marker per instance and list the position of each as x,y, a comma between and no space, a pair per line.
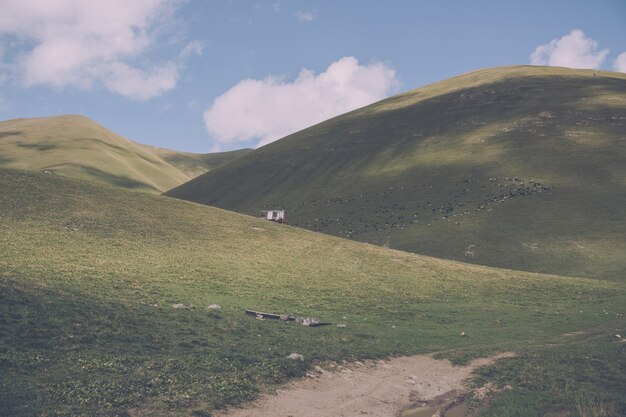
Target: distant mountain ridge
515,167
78,147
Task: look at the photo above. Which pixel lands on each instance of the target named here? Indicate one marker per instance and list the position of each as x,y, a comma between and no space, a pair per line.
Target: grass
581,375
89,274
77,147
514,167
194,164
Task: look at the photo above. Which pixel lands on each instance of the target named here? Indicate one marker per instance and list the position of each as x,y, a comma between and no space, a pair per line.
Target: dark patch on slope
10,133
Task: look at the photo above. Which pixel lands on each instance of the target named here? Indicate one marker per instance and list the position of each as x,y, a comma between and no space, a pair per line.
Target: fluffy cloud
269,109
620,63
573,50
80,43
305,16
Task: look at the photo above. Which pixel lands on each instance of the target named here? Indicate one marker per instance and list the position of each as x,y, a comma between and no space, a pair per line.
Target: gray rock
296,357
214,307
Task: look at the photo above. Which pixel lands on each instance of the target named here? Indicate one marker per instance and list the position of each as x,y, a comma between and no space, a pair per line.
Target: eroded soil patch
374,388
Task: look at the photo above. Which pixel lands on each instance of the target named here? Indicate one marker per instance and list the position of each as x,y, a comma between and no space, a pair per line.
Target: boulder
296,357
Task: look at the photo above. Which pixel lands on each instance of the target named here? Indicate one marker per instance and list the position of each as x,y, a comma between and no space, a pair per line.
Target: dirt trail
381,389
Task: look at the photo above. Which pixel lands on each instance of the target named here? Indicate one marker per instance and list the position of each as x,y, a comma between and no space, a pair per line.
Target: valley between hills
475,216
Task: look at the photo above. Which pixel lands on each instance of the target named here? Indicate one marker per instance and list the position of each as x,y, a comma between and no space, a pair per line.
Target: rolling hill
514,167
104,295
78,147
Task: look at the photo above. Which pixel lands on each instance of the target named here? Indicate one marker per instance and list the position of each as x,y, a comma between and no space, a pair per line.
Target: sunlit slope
517,167
89,276
78,147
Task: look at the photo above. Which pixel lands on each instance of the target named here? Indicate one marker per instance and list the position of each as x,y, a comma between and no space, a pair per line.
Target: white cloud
620,63
269,109
573,50
138,84
305,16
80,43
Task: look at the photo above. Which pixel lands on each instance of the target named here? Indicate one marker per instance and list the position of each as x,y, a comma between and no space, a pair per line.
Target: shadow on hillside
10,133
107,144
117,180
106,177
38,146
5,160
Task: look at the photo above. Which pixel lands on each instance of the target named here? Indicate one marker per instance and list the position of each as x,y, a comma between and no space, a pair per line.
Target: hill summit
78,147
515,167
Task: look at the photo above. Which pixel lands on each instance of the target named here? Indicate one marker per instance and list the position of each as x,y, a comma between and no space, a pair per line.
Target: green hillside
515,167
89,276
194,164
78,147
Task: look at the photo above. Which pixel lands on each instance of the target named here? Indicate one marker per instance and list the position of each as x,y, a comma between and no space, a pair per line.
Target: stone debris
214,307
179,305
296,357
308,321
305,321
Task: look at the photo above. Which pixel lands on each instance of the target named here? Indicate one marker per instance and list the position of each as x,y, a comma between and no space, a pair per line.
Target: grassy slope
194,164
88,275
517,167
78,147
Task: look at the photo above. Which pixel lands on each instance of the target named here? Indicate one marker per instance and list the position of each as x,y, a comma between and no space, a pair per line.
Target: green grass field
78,147
514,167
89,274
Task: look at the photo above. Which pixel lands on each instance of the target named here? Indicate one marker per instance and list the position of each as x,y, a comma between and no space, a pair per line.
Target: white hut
275,215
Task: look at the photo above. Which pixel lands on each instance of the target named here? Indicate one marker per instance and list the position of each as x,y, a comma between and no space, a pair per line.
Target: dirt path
381,388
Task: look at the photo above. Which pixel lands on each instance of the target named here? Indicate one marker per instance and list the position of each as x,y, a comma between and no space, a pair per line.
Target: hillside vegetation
194,164
515,167
78,147
90,275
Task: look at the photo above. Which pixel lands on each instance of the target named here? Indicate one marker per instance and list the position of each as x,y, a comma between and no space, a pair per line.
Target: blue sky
206,76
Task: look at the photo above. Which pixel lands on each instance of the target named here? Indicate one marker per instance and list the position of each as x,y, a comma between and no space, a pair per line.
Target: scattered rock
180,305
487,390
341,326
214,307
318,369
296,357
463,334
307,321
619,336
